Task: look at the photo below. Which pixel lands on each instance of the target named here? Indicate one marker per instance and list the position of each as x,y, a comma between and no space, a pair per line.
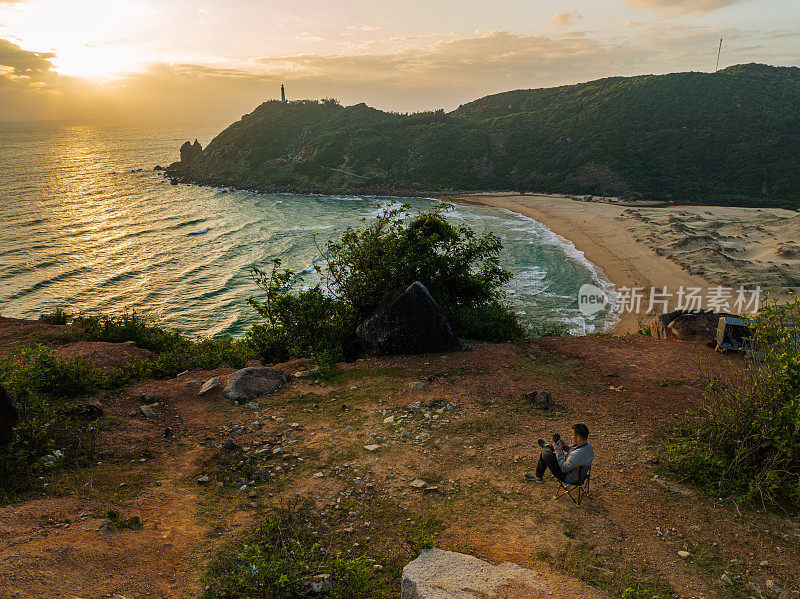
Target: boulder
190,152
8,417
149,411
692,327
700,327
438,574
250,383
540,399
209,385
408,321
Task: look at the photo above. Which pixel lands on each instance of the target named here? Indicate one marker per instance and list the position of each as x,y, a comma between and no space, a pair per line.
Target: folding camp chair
580,489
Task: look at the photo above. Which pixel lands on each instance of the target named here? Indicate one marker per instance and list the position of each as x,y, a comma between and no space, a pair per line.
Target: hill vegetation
728,138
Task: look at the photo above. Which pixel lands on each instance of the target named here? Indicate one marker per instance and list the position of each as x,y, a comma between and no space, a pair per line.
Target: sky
214,60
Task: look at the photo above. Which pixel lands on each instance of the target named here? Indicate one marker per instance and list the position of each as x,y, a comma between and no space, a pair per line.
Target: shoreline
594,230
612,318
623,249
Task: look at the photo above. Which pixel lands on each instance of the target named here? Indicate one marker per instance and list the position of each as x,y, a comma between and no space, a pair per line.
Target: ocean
89,226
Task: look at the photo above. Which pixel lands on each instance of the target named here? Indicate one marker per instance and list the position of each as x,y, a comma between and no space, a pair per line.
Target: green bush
174,352
275,559
607,573
460,269
57,316
308,323
35,371
43,387
128,327
133,523
744,443
43,426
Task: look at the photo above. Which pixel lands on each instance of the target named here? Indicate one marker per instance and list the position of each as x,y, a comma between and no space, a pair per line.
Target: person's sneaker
533,478
542,443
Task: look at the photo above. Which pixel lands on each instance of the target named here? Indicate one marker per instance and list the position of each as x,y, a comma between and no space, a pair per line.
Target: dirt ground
457,421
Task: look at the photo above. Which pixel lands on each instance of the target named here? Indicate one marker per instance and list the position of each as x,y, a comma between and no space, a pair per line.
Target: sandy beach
673,247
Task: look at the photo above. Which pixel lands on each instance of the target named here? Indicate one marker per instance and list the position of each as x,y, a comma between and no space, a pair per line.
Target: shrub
35,371
606,572
744,442
175,352
128,327
308,323
43,426
57,316
275,559
42,387
460,269
133,523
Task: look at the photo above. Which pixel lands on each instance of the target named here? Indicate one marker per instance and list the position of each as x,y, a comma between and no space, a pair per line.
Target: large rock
408,321
438,574
690,325
8,417
695,327
190,152
250,383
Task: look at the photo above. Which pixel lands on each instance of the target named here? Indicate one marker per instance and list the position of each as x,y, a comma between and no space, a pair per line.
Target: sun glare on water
90,38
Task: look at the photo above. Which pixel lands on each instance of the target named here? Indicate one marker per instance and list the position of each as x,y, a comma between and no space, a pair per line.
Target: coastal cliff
728,138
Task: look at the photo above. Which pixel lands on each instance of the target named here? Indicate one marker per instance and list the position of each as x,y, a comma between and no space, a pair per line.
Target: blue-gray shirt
576,462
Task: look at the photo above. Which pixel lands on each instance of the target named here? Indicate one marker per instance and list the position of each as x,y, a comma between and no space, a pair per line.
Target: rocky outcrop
408,321
8,417
190,152
438,574
686,326
695,327
251,383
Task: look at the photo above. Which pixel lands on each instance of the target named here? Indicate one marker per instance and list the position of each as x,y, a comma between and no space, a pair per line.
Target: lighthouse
283,94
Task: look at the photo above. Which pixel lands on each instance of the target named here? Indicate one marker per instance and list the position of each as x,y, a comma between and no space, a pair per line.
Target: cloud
26,81
565,19
696,7
493,57
24,63
432,74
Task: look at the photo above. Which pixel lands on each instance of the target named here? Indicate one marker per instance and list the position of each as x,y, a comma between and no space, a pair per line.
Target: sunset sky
217,59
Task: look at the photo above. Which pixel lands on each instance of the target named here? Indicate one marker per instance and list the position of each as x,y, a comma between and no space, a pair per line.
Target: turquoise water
89,226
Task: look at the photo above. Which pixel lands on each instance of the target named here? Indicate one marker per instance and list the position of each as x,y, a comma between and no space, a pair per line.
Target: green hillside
730,137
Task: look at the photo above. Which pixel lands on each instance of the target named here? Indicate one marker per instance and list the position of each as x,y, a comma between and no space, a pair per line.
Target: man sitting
568,464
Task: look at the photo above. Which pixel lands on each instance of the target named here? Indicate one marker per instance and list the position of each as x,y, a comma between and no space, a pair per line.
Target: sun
90,38
90,61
